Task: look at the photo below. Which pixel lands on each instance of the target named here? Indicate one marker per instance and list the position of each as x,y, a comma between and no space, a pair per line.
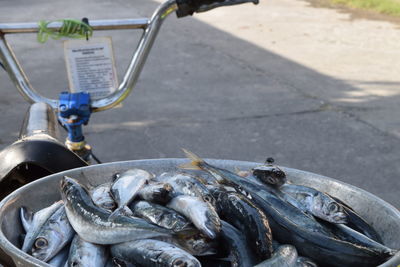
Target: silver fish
187,184
101,196
85,254
127,185
160,215
148,252
53,236
201,213
317,203
284,256
239,211
159,193
234,241
93,223
33,223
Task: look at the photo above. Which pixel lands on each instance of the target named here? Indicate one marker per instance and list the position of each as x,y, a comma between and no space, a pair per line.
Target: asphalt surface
311,87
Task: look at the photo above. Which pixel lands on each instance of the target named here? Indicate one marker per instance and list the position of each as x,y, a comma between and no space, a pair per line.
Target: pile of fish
191,218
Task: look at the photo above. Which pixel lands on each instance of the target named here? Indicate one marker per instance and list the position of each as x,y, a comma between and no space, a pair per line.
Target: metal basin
43,192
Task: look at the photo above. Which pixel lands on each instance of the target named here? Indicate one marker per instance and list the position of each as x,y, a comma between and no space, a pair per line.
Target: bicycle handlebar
188,7
150,26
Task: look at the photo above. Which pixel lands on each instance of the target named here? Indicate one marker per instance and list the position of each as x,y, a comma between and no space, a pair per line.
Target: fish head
46,247
272,175
212,223
335,212
70,188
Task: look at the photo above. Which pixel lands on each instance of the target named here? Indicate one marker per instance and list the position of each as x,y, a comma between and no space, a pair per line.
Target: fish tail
26,218
195,163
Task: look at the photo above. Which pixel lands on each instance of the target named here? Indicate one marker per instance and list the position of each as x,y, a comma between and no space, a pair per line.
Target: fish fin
195,161
188,166
26,218
121,211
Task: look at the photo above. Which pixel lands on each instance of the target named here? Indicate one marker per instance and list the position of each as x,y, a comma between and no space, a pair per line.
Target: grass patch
390,7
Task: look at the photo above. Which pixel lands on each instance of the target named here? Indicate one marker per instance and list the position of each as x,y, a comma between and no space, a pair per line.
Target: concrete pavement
311,87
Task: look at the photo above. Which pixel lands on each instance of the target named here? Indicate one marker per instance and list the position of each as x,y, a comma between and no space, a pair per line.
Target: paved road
312,87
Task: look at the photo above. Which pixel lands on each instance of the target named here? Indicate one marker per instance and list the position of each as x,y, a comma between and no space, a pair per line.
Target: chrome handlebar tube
150,26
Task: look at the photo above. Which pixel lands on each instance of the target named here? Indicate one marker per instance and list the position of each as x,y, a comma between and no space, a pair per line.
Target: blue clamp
74,111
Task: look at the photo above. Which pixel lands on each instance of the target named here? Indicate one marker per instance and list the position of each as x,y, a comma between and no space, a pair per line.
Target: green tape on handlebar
70,29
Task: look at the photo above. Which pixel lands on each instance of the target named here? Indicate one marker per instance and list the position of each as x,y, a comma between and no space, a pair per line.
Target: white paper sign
90,66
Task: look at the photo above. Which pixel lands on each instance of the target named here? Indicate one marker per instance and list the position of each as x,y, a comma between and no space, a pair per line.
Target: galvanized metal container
43,192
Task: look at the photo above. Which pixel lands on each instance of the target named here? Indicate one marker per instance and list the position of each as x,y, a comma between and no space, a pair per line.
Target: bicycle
38,151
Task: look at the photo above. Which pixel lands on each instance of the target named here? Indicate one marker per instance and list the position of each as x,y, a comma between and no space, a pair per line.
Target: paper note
91,66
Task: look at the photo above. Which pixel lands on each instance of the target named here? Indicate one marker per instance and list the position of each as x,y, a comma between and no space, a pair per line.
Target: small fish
148,252
85,254
159,193
284,256
53,236
33,223
316,203
101,196
93,223
126,186
270,174
239,211
356,222
187,184
234,242
201,213
159,215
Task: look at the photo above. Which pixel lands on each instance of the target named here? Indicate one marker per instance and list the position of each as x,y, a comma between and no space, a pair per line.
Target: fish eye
116,176
333,207
41,242
207,198
179,263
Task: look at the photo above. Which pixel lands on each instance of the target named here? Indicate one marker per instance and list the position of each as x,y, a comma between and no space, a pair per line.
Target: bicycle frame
150,26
